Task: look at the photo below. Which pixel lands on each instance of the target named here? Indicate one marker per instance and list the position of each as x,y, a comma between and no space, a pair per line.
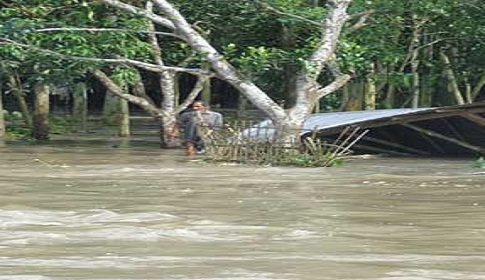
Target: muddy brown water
98,210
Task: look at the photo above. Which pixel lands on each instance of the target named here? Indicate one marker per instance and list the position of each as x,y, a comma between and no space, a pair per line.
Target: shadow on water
106,209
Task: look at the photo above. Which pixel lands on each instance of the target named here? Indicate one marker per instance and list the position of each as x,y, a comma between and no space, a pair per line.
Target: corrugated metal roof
264,130
335,119
450,130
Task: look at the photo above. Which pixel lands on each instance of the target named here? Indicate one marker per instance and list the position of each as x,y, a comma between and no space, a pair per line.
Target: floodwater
97,210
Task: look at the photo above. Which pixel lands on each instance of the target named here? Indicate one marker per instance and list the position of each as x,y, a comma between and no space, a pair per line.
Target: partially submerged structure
440,131
446,131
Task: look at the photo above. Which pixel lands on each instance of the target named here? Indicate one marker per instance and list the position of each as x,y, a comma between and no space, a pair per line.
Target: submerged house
446,131
440,131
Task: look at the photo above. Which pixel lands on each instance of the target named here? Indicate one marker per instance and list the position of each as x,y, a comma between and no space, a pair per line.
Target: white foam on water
47,227
13,218
432,274
24,277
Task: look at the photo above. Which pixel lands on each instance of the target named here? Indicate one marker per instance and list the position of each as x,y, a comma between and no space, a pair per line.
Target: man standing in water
200,115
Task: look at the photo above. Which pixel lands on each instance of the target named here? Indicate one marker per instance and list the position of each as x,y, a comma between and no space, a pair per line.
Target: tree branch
54,29
139,11
115,89
478,87
339,82
198,87
340,79
134,63
218,63
281,13
362,19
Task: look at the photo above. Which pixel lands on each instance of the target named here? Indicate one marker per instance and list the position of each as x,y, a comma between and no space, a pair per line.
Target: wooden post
446,138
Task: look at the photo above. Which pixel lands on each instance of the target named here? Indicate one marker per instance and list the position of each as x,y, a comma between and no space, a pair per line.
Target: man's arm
179,124
218,120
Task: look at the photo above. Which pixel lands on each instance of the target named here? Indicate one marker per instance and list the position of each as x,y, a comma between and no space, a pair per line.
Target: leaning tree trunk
452,82
478,86
40,129
309,91
17,91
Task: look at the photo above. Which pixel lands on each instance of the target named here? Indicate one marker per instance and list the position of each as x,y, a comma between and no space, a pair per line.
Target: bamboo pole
395,145
476,118
446,138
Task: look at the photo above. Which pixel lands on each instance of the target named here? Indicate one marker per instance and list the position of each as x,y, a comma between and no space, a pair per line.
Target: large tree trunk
169,89
416,86
40,129
111,108
80,107
288,43
370,90
308,90
390,96
124,126
116,113
167,122
356,96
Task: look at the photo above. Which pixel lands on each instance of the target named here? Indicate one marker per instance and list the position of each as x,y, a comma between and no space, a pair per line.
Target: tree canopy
415,53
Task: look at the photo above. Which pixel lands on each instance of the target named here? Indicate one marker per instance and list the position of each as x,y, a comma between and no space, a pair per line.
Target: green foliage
353,56
263,44
16,128
258,60
123,76
62,125
33,23
17,132
12,116
479,163
14,125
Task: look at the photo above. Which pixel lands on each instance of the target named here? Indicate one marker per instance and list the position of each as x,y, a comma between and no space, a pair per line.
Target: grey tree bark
40,128
308,91
370,93
452,81
80,106
124,126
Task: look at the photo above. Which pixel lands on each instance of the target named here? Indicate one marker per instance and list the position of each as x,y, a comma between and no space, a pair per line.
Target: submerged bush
479,163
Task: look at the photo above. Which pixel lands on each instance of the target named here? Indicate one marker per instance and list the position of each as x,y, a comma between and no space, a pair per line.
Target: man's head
200,106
